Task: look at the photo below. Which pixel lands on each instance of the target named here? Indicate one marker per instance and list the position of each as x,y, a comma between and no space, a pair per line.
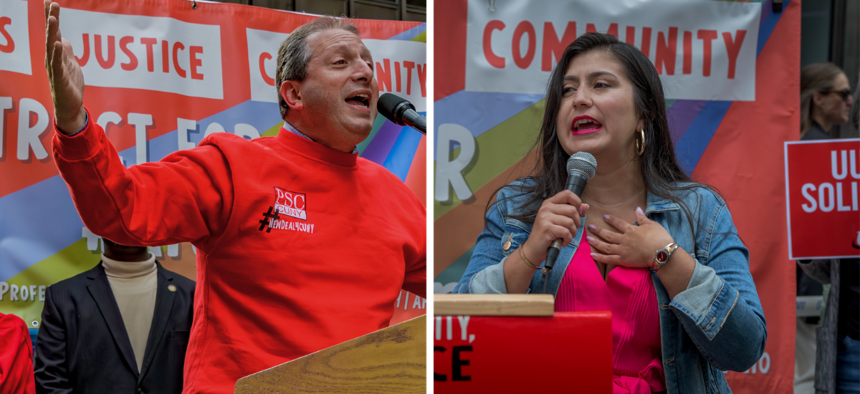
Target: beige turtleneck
134,285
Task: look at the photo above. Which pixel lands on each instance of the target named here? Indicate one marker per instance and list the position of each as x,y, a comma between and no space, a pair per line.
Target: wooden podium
391,360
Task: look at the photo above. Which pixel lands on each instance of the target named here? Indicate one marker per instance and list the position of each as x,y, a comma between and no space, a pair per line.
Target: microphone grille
582,162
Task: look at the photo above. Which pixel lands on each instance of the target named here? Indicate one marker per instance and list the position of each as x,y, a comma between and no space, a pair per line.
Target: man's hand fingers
57,62
48,45
55,10
54,23
47,7
68,52
52,38
49,42
54,29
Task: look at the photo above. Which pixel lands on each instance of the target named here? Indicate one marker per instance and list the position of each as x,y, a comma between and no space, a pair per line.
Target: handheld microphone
581,166
401,111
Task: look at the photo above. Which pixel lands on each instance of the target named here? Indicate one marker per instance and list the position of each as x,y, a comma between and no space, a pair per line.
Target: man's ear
290,92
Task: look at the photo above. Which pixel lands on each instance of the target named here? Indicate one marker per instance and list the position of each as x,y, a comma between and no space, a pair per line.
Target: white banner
400,66
262,62
702,50
144,52
14,37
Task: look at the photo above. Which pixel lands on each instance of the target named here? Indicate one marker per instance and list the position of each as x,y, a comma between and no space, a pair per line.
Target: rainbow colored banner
730,71
160,76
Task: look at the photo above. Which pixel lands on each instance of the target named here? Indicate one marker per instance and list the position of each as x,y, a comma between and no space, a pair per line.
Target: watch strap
662,256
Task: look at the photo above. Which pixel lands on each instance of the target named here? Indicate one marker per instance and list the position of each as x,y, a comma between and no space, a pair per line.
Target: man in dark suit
121,327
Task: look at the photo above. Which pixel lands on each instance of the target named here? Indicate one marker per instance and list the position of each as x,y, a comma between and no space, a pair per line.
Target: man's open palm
64,74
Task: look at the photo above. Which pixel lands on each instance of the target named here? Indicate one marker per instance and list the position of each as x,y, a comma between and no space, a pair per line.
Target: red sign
482,354
821,192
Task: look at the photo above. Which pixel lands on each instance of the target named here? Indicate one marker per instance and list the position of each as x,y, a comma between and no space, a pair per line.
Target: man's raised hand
64,74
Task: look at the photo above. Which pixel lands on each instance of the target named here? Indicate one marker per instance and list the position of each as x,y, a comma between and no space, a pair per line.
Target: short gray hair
294,53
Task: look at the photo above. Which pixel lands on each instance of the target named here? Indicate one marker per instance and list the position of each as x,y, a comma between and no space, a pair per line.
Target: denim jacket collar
659,204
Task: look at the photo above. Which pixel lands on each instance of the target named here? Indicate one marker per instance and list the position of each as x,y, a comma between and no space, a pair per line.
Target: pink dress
629,294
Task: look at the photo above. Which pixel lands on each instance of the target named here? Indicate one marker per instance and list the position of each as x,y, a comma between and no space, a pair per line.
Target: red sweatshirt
16,357
300,247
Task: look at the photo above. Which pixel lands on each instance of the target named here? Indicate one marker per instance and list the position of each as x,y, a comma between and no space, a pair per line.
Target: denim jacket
716,324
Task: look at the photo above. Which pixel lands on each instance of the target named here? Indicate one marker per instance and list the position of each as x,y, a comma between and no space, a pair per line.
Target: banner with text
821,191
160,76
730,73
702,50
474,354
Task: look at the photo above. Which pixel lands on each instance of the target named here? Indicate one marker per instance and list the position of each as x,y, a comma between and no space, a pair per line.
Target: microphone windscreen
387,106
582,162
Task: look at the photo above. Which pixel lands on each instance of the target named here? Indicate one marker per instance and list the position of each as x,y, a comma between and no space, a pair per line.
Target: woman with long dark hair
643,240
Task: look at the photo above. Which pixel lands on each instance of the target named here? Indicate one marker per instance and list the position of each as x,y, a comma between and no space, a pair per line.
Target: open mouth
360,100
585,124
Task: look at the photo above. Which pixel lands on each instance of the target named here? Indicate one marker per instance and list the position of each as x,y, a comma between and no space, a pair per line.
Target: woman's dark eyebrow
593,75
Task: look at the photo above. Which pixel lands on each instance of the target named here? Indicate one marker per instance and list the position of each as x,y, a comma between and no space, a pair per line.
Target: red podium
482,350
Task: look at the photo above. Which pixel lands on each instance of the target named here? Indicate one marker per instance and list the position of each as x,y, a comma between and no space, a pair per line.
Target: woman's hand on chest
620,242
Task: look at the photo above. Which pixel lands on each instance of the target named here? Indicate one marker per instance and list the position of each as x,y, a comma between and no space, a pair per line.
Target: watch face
662,256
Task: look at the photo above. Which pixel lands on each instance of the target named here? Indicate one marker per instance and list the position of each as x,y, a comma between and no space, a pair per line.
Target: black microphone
401,111
581,166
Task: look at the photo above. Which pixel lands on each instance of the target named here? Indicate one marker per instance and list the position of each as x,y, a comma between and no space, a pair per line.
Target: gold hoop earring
640,146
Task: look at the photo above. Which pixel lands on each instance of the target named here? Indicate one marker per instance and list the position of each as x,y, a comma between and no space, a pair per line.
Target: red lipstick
587,125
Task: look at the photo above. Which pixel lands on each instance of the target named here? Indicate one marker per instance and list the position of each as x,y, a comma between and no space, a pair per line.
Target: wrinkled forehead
336,40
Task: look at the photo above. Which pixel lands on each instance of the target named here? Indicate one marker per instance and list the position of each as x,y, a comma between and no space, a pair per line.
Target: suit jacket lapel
163,307
100,289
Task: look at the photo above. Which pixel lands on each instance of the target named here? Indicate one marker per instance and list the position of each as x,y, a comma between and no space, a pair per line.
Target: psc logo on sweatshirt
291,203
287,203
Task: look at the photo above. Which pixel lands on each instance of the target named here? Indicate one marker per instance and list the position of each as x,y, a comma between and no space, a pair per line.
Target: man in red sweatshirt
301,244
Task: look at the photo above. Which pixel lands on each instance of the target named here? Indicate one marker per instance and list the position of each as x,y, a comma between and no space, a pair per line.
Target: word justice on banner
124,51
